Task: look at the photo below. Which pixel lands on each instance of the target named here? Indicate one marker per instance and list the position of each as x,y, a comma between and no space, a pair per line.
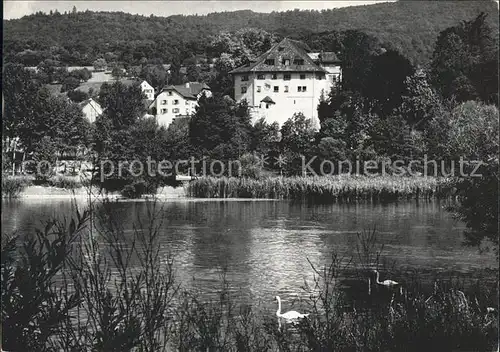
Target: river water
265,244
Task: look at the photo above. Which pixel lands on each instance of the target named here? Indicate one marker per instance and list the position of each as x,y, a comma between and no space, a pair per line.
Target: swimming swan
289,316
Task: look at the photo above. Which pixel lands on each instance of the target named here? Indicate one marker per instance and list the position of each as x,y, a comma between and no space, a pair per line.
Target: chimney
187,85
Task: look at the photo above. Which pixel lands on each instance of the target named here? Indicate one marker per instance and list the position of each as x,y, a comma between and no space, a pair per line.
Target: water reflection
264,245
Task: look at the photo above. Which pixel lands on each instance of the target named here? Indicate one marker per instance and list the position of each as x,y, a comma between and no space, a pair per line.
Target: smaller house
178,100
148,90
91,109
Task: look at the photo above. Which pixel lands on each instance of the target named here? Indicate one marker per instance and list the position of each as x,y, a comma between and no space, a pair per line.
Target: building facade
285,80
148,90
177,101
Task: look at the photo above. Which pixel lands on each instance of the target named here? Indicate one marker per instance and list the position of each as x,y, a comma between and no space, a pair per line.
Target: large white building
178,101
285,80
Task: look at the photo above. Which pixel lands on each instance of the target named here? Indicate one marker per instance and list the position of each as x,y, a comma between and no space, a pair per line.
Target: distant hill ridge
409,26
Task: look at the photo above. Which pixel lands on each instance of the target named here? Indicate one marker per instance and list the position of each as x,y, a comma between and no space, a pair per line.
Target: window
304,88
258,89
260,76
164,111
187,111
170,93
281,48
302,76
298,61
287,76
276,89
187,102
244,78
269,62
243,90
301,89
274,76
286,89
175,111
286,62
320,76
176,102
267,106
163,102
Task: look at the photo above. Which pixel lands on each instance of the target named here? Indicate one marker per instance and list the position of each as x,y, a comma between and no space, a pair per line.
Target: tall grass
91,285
327,188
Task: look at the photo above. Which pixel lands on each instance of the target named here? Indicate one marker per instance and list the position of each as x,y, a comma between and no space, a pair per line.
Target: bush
138,188
12,187
65,182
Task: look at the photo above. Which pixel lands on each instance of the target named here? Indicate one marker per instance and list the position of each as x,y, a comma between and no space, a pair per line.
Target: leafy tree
297,137
465,60
220,128
122,104
478,206
156,75
356,55
70,83
386,81
117,72
265,138
473,132
420,102
77,96
100,64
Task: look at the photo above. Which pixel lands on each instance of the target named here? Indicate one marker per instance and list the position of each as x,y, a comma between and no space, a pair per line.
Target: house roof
286,49
189,90
267,99
87,101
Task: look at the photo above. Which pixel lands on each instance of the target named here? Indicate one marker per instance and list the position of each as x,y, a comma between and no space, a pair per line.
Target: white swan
387,283
290,315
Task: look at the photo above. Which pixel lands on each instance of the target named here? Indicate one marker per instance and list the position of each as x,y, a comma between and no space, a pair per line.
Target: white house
148,90
178,101
285,80
91,109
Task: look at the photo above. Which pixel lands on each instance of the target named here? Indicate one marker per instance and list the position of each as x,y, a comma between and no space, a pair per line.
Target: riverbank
322,188
33,191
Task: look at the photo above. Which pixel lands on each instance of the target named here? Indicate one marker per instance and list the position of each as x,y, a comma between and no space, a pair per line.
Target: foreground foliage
78,286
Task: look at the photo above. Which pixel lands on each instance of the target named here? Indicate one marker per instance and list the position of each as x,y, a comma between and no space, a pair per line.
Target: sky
18,8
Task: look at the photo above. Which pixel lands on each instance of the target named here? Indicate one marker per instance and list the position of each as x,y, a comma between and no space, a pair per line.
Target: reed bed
326,188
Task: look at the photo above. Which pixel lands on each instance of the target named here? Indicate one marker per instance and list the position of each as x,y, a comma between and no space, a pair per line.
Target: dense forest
79,38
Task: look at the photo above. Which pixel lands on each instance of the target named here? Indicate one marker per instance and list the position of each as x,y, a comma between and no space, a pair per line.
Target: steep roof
267,99
189,90
286,49
88,101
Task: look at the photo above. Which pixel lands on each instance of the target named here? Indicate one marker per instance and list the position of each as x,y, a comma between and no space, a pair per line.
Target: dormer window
260,76
287,77
269,62
298,61
274,76
244,78
286,62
